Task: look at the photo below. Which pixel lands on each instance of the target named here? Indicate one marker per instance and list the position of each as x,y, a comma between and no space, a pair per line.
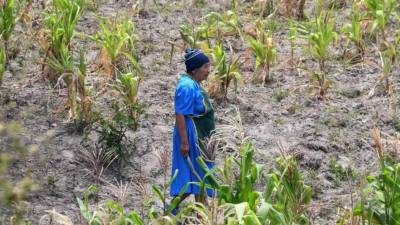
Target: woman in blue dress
194,125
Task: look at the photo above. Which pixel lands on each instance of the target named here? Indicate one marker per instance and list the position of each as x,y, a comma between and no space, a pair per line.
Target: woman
194,124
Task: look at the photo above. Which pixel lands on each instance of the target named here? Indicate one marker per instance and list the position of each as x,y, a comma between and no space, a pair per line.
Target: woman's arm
181,124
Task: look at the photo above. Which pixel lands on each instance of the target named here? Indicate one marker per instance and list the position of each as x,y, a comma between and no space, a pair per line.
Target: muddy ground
336,130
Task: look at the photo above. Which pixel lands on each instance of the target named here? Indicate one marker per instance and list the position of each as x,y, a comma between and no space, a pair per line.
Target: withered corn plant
321,85
265,52
294,9
3,61
83,114
387,61
79,101
117,39
226,72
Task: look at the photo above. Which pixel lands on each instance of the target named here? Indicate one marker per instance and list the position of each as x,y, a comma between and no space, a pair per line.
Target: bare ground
317,131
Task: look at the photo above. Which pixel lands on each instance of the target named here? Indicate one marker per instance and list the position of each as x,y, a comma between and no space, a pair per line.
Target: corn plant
285,188
380,11
380,201
74,76
265,52
292,36
3,61
383,207
353,31
237,193
237,202
193,36
220,25
386,67
128,86
242,188
60,22
225,72
84,115
117,39
8,19
320,35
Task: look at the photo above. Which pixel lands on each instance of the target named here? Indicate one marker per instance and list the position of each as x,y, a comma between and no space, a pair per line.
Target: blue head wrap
194,59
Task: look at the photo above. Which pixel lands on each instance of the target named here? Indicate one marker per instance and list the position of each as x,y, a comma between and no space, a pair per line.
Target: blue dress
192,102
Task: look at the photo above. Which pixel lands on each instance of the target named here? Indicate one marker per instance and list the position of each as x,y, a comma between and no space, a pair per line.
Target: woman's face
201,73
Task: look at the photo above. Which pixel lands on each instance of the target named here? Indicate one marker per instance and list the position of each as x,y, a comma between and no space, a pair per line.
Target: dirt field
322,133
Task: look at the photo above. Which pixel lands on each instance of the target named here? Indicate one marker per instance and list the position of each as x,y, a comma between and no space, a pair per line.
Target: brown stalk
300,10
376,135
106,64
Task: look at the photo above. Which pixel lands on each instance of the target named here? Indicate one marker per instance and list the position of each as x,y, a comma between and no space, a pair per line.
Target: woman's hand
184,149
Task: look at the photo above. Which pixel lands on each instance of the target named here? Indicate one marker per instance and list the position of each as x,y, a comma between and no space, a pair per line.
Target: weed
51,183
98,159
112,133
279,122
341,172
280,94
396,122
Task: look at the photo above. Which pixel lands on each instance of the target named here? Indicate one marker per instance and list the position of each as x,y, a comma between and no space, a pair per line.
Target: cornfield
87,112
